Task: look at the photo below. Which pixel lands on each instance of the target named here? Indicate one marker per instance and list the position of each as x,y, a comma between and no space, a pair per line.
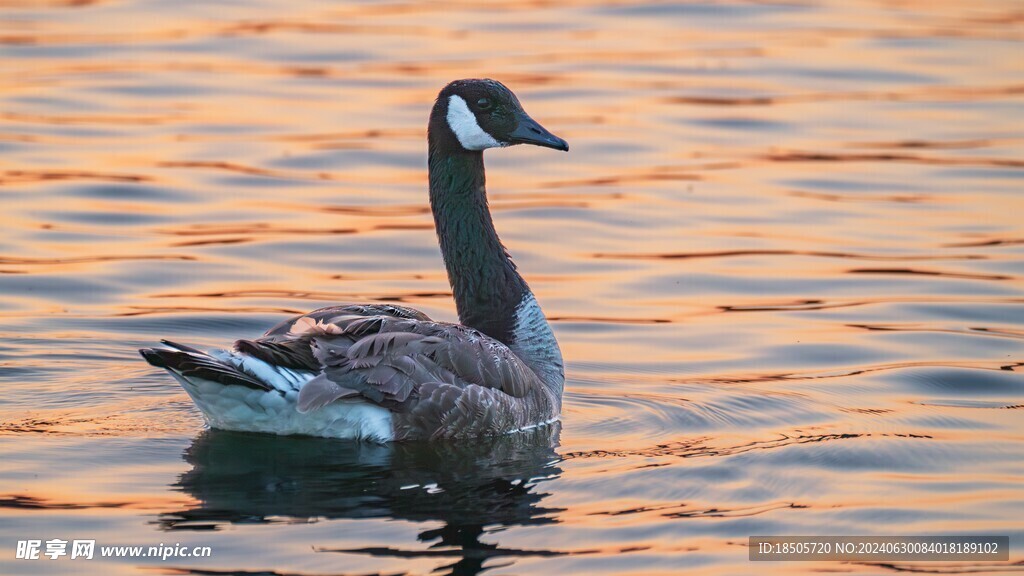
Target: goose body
389,373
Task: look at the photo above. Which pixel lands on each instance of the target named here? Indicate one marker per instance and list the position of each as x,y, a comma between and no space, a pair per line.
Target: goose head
479,114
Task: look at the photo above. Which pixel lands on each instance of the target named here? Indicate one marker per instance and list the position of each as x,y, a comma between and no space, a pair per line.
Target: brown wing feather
282,345
392,356
440,350
328,314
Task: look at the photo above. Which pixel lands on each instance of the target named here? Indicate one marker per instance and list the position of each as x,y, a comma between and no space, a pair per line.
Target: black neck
486,285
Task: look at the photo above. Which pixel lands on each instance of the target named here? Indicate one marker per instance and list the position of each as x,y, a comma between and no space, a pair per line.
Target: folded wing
394,357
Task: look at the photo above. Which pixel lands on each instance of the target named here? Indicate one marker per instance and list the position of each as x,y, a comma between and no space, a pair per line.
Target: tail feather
182,347
191,363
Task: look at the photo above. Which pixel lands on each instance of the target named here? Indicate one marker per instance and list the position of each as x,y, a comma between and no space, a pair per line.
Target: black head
481,114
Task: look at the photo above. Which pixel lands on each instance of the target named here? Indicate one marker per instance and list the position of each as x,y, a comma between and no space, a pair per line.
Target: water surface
783,260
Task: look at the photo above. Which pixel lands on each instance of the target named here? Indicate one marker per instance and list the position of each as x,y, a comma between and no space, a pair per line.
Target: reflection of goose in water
473,491
384,372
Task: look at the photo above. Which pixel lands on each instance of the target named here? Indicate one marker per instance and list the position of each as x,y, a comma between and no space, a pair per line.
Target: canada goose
381,372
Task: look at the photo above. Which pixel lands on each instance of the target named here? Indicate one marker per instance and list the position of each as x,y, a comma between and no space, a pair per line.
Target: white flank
279,377
274,412
463,123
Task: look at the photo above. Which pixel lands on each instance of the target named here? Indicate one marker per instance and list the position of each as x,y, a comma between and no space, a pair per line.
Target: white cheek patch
463,123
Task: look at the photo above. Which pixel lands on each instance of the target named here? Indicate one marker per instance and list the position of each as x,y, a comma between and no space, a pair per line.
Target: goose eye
483,104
